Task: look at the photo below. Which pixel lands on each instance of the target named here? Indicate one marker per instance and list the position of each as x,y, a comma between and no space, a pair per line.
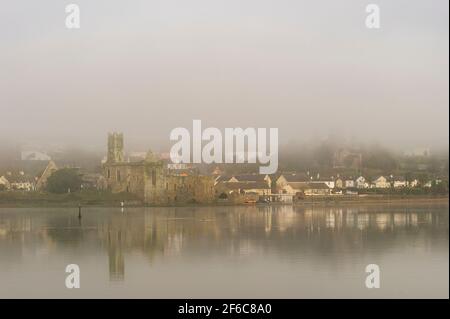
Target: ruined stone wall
151,182
191,189
124,177
155,192
169,189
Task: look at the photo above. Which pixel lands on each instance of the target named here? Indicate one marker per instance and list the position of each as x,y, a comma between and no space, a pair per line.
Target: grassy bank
373,199
84,198
107,199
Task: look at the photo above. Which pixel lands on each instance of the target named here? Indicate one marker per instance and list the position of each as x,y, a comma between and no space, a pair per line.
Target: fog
310,68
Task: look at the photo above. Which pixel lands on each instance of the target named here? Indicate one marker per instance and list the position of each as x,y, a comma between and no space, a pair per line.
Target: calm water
230,252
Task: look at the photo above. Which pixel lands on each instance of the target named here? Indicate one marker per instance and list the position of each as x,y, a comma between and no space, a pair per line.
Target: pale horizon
313,70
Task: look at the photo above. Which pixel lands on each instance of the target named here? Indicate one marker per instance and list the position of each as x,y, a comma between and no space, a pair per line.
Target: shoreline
378,201
318,202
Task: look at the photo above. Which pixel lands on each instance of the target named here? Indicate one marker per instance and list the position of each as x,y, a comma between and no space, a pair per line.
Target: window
118,175
108,173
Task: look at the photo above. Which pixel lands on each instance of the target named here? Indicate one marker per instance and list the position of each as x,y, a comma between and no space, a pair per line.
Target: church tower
115,148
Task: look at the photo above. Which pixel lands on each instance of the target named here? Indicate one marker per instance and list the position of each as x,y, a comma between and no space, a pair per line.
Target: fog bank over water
310,68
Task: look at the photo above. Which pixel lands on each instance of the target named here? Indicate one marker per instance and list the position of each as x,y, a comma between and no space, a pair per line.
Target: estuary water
226,252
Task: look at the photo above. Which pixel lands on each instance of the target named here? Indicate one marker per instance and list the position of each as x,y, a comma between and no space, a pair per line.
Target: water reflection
230,231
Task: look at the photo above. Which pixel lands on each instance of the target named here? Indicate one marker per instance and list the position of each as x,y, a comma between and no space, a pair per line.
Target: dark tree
63,181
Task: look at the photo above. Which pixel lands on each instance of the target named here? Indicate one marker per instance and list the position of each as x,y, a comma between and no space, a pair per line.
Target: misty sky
310,68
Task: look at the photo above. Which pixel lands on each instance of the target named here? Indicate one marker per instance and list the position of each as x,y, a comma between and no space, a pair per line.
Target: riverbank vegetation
106,198
84,198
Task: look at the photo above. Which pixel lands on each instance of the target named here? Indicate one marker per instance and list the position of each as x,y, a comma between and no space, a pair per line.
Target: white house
329,181
414,183
21,181
4,181
361,182
381,182
399,181
344,182
308,189
435,182
349,183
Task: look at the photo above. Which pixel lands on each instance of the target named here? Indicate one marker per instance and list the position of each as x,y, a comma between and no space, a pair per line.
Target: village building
259,188
253,178
432,182
306,189
245,178
216,172
414,183
399,181
339,182
292,179
302,179
221,179
350,182
239,191
4,183
150,179
329,181
381,182
21,181
361,182
244,187
344,182
41,182
291,184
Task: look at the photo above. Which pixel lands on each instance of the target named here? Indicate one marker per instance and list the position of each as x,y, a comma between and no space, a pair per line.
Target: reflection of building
205,232
363,221
382,221
116,264
150,179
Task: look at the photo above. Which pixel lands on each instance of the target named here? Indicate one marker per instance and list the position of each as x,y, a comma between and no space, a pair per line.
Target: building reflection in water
115,256
234,231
